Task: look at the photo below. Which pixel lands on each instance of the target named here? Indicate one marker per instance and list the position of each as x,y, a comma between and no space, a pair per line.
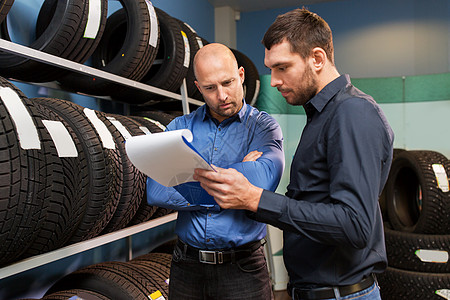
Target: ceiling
253,5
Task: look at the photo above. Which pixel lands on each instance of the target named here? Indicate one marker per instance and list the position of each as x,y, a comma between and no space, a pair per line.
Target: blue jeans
371,293
247,279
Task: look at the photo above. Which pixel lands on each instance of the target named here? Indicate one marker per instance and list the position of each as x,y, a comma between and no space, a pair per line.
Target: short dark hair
304,30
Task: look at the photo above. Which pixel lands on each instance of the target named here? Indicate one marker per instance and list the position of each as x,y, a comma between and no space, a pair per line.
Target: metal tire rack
126,233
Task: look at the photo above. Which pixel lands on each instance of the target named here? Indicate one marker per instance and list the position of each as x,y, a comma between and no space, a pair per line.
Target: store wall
372,38
199,14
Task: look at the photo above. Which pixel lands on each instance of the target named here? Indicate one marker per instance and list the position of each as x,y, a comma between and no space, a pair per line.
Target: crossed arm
230,188
168,197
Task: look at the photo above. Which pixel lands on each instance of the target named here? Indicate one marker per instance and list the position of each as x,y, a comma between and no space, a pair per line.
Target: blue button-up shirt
333,230
225,145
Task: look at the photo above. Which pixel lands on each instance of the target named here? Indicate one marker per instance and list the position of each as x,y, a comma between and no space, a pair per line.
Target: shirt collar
320,100
240,115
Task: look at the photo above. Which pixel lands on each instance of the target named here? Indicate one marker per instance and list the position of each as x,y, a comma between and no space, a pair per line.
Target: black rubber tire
5,6
145,211
191,76
78,293
143,214
251,81
204,42
69,193
124,50
168,70
115,280
382,197
194,46
161,212
414,201
116,166
151,125
62,37
396,284
24,182
104,169
402,250
164,259
133,183
157,272
159,116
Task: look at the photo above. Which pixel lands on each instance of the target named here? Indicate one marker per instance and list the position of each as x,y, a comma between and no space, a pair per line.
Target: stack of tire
138,42
65,177
145,277
417,231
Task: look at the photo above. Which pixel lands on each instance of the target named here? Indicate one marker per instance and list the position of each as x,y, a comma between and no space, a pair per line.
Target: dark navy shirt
225,145
333,230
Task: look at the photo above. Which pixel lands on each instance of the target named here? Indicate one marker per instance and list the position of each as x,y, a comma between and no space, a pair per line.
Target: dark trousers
245,279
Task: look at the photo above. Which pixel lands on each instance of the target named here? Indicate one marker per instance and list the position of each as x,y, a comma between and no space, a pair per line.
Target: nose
221,94
275,81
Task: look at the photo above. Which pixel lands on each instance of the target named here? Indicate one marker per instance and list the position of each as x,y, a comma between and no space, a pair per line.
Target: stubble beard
306,91
228,112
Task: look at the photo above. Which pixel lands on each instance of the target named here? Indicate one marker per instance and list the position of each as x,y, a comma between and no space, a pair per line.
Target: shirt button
220,129
207,240
215,148
209,215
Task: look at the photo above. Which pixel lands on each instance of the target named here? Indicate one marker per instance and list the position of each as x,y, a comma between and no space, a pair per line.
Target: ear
198,87
242,74
318,58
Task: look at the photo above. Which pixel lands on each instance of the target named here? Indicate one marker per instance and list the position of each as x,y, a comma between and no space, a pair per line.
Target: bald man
219,254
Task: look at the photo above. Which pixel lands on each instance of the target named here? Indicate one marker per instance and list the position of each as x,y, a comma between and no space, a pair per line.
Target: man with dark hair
219,254
330,217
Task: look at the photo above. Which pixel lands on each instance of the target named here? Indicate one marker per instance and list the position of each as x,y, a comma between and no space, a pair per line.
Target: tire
204,42
150,125
161,212
115,280
133,183
69,195
104,168
145,211
5,6
161,117
403,251
127,49
194,45
63,37
251,81
164,259
25,180
75,294
170,66
414,201
396,284
382,198
157,272
27,172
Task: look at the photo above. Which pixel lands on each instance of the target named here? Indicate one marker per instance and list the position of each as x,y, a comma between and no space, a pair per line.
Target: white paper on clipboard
167,157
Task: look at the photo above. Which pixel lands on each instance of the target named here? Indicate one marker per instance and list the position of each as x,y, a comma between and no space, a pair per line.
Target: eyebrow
276,65
221,82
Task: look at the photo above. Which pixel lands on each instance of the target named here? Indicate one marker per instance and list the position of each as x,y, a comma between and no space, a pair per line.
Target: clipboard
170,159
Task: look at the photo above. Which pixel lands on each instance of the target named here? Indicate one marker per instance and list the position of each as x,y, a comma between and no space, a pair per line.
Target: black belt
219,256
328,292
